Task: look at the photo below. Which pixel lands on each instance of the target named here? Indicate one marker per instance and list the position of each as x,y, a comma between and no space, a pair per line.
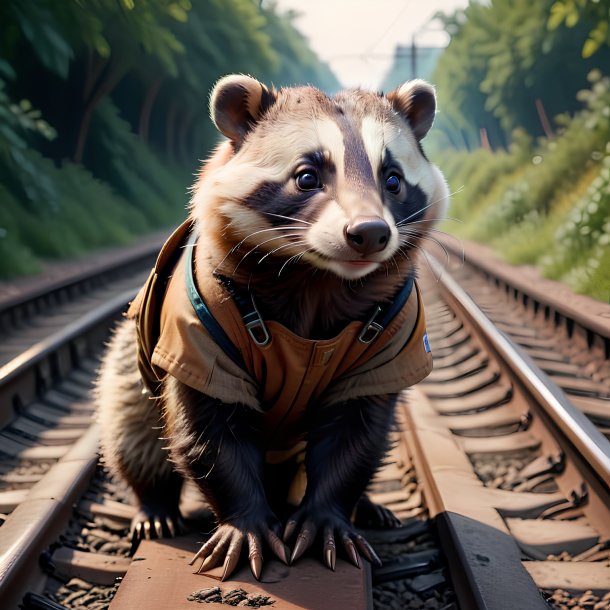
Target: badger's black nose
367,234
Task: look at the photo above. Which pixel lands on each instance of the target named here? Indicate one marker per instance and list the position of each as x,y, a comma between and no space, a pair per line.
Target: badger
263,358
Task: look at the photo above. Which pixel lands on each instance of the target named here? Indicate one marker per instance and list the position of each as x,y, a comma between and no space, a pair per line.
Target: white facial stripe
394,242
373,137
242,220
326,234
331,141
272,155
414,166
288,142
400,142
236,180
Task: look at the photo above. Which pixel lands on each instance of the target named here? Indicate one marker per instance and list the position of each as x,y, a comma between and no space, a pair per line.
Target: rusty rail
429,473
574,426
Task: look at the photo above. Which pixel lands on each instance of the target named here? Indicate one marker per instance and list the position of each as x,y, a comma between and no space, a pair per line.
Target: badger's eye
392,184
307,180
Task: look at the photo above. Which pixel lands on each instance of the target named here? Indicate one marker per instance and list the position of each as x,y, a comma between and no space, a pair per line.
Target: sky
358,37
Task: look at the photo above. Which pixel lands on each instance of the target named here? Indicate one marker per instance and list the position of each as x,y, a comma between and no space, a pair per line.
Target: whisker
439,219
295,258
239,244
441,246
430,205
438,279
393,259
241,260
405,220
424,235
294,243
456,239
288,218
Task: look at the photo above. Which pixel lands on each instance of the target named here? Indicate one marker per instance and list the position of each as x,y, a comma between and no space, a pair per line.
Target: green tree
570,13
504,68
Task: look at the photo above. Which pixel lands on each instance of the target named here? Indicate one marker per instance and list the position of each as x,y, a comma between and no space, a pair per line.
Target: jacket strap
203,312
253,321
379,319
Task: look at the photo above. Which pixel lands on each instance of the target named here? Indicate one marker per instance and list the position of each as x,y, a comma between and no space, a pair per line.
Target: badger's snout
367,234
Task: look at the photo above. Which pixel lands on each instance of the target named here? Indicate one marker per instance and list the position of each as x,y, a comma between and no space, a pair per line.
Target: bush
50,211
547,204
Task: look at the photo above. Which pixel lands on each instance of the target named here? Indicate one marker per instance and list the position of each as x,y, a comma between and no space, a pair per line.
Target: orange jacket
281,378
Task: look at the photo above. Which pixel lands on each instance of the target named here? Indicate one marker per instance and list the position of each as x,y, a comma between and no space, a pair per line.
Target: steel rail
44,513
47,346
48,289
41,517
588,322
574,425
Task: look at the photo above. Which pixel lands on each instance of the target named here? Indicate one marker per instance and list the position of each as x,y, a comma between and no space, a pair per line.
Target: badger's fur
315,205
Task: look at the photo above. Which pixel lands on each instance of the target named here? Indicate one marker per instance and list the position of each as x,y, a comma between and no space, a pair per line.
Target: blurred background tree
515,64
523,133
103,111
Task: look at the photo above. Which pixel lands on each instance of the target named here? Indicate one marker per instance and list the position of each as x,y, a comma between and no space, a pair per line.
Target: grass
546,204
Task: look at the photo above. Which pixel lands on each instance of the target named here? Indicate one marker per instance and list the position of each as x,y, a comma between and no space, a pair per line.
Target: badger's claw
151,523
331,524
227,543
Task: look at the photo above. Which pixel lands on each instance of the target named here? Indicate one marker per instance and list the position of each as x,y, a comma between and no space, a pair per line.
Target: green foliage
121,159
16,258
583,238
570,12
40,26
84,213
557,164
119,86
547,204
17,123
500,70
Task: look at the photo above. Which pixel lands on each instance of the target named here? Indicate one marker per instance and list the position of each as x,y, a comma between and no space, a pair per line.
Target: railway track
51,340
503,504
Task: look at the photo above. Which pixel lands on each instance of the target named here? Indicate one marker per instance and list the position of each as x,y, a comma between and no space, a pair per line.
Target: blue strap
399,302
204,314
370,331
373,328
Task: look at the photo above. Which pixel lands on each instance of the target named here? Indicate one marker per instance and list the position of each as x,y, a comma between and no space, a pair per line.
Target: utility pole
413,57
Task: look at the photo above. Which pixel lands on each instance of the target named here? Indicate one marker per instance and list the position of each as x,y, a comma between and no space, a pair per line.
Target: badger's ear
415,100
236,103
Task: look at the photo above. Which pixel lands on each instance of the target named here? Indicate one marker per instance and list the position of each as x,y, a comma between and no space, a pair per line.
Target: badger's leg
345,447
217,445
130,428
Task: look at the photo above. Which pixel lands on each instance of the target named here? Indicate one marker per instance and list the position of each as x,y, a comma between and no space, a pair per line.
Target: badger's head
338,184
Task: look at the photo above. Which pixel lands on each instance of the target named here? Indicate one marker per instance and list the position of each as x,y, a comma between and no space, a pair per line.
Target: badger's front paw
155,522
332,524
226,544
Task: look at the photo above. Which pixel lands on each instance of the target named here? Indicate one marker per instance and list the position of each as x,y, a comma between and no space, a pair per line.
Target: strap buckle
256,327
371,329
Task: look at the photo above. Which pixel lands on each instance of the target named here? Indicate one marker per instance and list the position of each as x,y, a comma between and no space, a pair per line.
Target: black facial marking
409,205
275,199
421,150
317,159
